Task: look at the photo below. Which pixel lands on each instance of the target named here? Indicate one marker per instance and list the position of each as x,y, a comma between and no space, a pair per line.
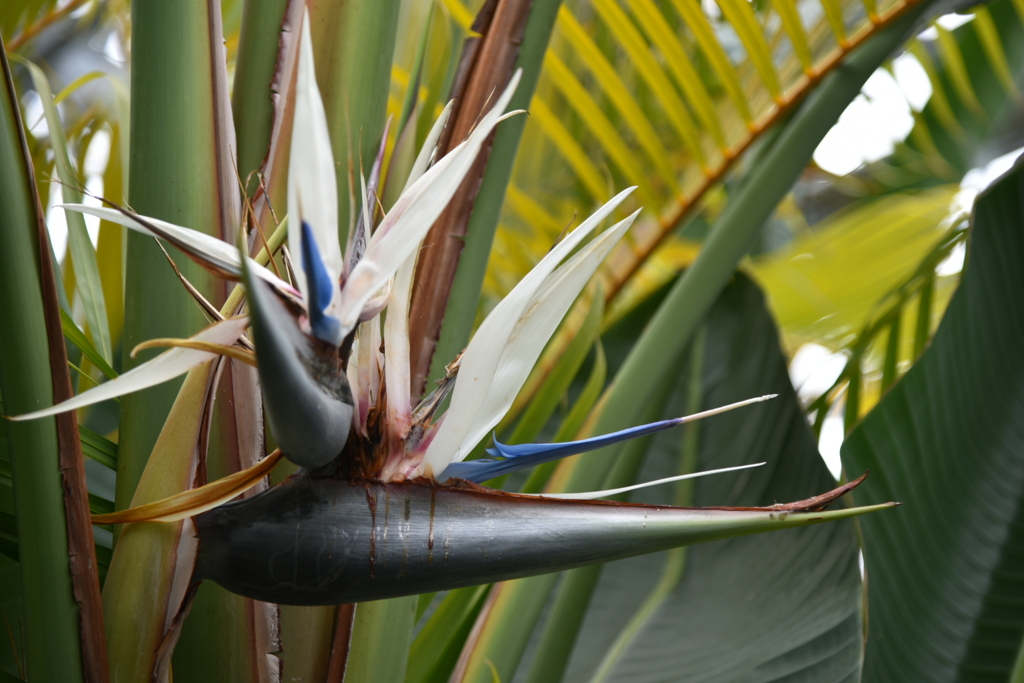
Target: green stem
52,648
172,177
254,70
353,44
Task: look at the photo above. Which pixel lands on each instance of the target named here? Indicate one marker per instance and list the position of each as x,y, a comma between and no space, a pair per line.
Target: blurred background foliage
857,263
616,106
656,95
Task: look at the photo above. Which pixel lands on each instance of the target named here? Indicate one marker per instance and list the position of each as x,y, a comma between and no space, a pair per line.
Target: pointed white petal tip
725,409
168,365
510,114
592,495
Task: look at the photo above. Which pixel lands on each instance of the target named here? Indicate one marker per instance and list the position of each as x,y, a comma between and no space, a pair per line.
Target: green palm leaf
17,14
972,71
712,113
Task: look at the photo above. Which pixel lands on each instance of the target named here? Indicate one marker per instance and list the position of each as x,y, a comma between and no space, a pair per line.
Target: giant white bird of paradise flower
341,408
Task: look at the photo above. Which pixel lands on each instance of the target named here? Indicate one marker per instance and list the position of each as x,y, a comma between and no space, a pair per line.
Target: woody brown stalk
484,70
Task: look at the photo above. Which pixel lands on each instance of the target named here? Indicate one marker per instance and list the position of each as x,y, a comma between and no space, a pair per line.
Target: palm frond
707,86
881,321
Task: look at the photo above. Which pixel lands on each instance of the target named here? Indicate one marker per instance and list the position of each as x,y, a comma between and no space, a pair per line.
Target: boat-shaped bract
324,541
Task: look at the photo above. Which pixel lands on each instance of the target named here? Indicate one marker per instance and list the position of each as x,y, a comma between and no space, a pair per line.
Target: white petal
355,386
419,166
591,495
396,351
366,364
166,366
312,182
484,352
359,237
405,226
545,311
378,303
215,251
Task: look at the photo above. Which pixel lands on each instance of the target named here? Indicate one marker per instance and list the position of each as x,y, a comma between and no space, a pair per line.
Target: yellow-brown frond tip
194,501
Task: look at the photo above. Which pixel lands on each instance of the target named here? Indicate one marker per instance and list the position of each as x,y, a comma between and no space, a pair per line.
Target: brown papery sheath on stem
484,70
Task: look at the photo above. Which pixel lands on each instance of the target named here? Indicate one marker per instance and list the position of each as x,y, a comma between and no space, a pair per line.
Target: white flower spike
403,229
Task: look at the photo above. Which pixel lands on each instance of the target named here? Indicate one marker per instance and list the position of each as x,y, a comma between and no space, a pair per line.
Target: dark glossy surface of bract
329,541
309,405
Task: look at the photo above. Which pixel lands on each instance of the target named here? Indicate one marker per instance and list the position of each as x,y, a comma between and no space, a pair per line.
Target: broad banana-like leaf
944,597
311,541
765,608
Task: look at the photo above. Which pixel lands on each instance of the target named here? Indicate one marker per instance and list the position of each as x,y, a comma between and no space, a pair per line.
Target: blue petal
320,287
511,458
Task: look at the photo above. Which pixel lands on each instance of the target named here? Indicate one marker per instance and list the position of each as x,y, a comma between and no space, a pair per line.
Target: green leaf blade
78,338
53,648
83,255
947,440
757,608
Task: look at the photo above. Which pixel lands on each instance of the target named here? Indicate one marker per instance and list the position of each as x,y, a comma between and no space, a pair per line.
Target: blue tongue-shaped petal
509,458
320,290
